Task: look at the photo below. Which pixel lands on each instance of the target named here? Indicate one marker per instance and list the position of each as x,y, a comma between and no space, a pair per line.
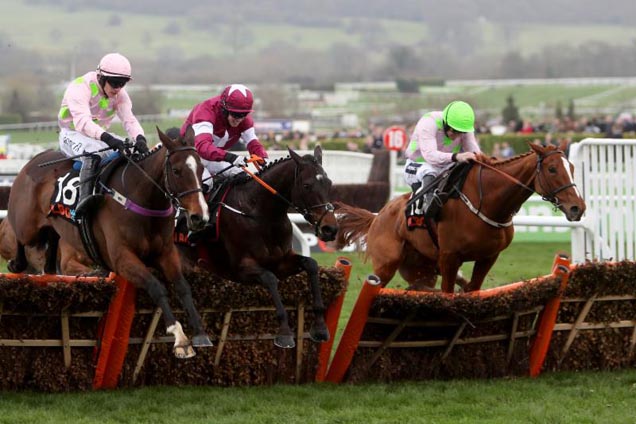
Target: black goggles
239,115
117,82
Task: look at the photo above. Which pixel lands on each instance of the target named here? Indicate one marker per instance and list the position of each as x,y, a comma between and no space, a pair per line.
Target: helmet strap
101,79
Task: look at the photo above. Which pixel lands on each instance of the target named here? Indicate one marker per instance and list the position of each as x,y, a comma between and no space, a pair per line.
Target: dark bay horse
131,233
255,243
475,228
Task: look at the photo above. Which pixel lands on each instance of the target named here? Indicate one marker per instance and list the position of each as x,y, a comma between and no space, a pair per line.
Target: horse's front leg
318,331
170,265
130,267
448,264
480,270
251,271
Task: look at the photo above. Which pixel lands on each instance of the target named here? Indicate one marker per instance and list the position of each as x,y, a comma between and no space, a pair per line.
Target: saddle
66,193
445,185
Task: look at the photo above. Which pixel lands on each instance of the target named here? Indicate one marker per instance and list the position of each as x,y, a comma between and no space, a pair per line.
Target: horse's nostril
329,232
196,221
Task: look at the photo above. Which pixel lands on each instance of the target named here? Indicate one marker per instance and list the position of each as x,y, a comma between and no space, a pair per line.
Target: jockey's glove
113,142
260,161
141,145
235,160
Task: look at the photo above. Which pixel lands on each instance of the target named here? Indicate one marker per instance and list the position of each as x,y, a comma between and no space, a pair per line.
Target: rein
550,197
305,212
174,198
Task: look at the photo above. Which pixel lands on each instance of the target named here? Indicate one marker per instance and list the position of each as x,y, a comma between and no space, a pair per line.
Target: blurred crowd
551,131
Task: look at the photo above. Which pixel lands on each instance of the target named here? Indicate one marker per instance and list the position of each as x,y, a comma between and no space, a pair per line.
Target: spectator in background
377,138
496,150
615,130
506,150
526,127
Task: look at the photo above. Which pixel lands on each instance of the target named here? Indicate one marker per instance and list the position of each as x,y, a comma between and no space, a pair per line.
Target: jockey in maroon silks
219,123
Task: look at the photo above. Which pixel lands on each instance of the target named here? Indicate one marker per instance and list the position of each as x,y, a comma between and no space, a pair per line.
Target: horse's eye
552,169
176,172
306,186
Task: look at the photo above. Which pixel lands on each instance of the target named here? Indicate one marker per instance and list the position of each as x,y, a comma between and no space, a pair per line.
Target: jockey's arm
128,119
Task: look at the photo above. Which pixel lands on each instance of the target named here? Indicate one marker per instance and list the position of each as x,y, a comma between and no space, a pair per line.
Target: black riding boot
87,176
429,197
420,206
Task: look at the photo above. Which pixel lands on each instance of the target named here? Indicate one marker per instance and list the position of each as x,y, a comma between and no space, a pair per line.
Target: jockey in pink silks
89,105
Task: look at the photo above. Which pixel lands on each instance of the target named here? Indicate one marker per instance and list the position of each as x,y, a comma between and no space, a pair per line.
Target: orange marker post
332,315
351,335
114,343
539,349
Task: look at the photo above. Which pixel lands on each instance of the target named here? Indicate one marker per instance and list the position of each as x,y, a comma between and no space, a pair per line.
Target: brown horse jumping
477,226
255,242
130,233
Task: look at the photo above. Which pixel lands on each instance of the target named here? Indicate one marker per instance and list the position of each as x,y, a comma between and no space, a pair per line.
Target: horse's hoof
14,267
319,335
285,342
184,352
201,341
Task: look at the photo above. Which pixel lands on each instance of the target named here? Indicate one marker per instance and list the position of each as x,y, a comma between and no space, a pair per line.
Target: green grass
604,397
584,397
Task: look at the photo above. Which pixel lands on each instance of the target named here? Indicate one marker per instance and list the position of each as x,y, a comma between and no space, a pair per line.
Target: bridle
550,196
171,194
304,210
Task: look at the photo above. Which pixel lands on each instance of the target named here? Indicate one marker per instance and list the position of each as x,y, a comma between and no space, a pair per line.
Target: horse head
310,194
182,178
555,182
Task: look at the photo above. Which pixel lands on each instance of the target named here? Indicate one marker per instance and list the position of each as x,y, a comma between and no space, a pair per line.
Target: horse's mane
500,162
151,152
242,178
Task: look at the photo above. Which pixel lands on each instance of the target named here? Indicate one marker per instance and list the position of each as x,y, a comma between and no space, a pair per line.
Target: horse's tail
353,224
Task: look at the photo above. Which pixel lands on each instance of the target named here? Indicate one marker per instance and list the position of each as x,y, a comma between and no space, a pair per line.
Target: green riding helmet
459,116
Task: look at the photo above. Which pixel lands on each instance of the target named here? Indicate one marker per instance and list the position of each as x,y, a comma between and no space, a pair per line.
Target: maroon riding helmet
237,98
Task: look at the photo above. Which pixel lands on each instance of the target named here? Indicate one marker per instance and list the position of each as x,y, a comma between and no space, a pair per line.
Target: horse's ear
188,138
165,140
563,144
318,154
295,156
538,149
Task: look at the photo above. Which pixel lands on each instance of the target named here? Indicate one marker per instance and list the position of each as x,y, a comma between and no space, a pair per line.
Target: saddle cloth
66,196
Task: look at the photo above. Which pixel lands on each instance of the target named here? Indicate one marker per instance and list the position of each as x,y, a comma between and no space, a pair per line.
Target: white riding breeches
74,143
414,172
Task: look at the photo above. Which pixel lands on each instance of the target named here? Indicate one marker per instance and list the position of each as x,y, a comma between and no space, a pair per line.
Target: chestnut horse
477,226
128,238
255,242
